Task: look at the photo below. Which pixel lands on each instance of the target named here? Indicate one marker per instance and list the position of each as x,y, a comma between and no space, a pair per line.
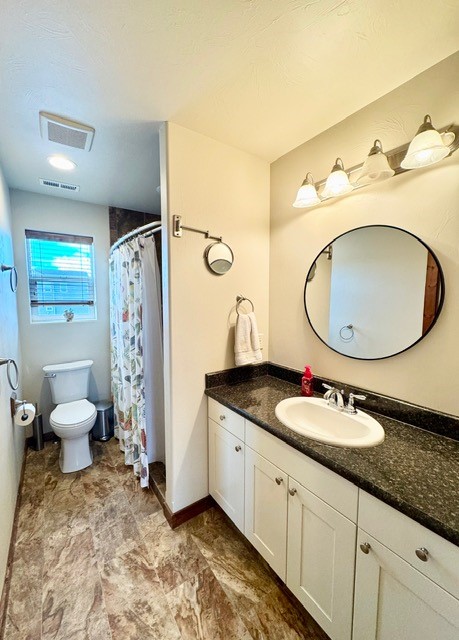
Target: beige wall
11,435
424,202
220,188
43,344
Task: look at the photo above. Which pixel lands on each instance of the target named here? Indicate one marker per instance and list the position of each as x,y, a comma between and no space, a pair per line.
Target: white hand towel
246,343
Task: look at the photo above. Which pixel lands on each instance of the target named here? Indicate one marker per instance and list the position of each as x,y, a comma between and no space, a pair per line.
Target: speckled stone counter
414,471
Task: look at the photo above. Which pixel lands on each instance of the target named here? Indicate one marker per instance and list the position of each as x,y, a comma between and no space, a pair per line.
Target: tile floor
95,560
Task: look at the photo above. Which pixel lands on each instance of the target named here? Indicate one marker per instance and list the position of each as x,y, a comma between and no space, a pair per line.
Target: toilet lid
71,413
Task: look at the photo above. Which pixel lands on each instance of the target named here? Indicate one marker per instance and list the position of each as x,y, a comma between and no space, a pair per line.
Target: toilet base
75,454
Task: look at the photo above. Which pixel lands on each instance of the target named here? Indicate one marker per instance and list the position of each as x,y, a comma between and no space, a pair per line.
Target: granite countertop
413,470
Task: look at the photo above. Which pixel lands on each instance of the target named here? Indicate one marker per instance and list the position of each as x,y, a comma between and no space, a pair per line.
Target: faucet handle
327,386
350,405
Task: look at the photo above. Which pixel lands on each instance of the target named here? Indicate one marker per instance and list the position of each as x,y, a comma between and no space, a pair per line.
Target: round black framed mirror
374,292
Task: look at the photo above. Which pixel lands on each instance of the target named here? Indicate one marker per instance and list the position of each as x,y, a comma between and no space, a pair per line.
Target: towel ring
9,362
240,300
346,337
13,276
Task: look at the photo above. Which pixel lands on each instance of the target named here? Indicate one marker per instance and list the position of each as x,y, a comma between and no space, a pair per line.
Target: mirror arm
178,228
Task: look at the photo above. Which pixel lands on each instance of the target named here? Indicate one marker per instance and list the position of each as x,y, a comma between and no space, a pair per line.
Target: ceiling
261,75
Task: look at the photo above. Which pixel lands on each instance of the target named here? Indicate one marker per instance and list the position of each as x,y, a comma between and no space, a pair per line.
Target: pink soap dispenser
307,382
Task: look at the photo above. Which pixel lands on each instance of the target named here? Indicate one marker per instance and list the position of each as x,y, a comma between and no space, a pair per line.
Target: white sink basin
314,418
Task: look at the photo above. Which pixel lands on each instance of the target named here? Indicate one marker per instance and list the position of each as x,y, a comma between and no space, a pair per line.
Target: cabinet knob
237,447
222,417
292,491
422,554
365,547
279,480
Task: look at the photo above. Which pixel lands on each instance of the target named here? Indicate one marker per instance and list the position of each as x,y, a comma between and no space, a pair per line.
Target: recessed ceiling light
59,162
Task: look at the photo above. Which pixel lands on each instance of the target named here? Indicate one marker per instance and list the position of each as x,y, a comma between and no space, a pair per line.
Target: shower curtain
136,353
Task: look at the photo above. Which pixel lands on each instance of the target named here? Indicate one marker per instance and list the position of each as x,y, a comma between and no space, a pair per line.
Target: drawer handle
422,554
292,492
237,447
365,548
279,480
222,417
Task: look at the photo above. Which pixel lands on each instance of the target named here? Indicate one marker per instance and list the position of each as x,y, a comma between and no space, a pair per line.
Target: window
61,276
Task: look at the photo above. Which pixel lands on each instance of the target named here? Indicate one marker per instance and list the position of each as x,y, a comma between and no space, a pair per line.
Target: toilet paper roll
25,414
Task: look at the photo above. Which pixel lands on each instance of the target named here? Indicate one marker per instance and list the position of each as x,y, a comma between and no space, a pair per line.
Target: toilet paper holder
16,404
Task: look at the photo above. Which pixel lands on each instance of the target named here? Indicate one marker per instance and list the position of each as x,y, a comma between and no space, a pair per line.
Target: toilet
74,416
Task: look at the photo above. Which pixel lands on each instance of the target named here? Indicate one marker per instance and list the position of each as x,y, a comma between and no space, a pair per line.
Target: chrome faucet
334,397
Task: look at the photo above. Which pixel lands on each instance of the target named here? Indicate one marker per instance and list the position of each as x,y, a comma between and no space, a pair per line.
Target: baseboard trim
189,512
9,563
182,516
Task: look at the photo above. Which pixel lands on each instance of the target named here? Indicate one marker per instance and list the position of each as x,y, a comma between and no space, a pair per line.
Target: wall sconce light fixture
307,194
376,167
427,147
337,182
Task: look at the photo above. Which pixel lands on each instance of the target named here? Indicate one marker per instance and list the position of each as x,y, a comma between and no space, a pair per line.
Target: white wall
220,188
43,344
11,436
424,202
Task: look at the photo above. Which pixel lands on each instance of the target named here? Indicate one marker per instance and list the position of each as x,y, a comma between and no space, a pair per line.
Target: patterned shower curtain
128,388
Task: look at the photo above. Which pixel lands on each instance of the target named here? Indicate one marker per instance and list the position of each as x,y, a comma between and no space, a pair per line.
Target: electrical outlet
260,340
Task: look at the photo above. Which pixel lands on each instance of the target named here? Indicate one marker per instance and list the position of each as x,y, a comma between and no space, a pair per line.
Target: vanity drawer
327,485
404,536
233,422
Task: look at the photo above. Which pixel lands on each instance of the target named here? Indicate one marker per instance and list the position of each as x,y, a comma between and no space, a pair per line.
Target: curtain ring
349,336
8,373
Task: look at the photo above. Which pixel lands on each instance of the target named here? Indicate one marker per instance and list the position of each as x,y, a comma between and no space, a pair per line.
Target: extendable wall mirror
374,292
219,257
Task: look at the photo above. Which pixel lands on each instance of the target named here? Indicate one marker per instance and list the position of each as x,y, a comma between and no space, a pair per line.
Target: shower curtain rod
152,227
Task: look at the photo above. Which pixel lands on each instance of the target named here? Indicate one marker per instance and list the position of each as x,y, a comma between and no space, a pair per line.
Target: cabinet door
394,600
226,472
321,560
266,510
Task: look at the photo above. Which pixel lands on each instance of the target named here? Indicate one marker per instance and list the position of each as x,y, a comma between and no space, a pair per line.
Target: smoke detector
54,184
66,132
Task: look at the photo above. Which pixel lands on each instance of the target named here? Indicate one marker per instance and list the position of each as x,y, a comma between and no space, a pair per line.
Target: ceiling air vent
63,131
59,185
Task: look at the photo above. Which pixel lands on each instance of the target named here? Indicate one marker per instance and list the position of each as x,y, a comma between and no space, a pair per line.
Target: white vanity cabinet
320,560
301,517
226,461
407,578
266,510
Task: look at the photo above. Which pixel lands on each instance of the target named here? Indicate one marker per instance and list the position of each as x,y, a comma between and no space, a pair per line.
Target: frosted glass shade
306,196
375,169
427,147
337,182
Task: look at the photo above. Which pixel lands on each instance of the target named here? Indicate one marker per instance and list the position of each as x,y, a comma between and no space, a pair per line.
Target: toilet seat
74,414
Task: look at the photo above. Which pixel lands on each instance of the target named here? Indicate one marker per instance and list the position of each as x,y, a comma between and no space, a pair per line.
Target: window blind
61,273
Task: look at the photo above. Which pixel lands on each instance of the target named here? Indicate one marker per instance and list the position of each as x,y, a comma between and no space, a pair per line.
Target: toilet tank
69,381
